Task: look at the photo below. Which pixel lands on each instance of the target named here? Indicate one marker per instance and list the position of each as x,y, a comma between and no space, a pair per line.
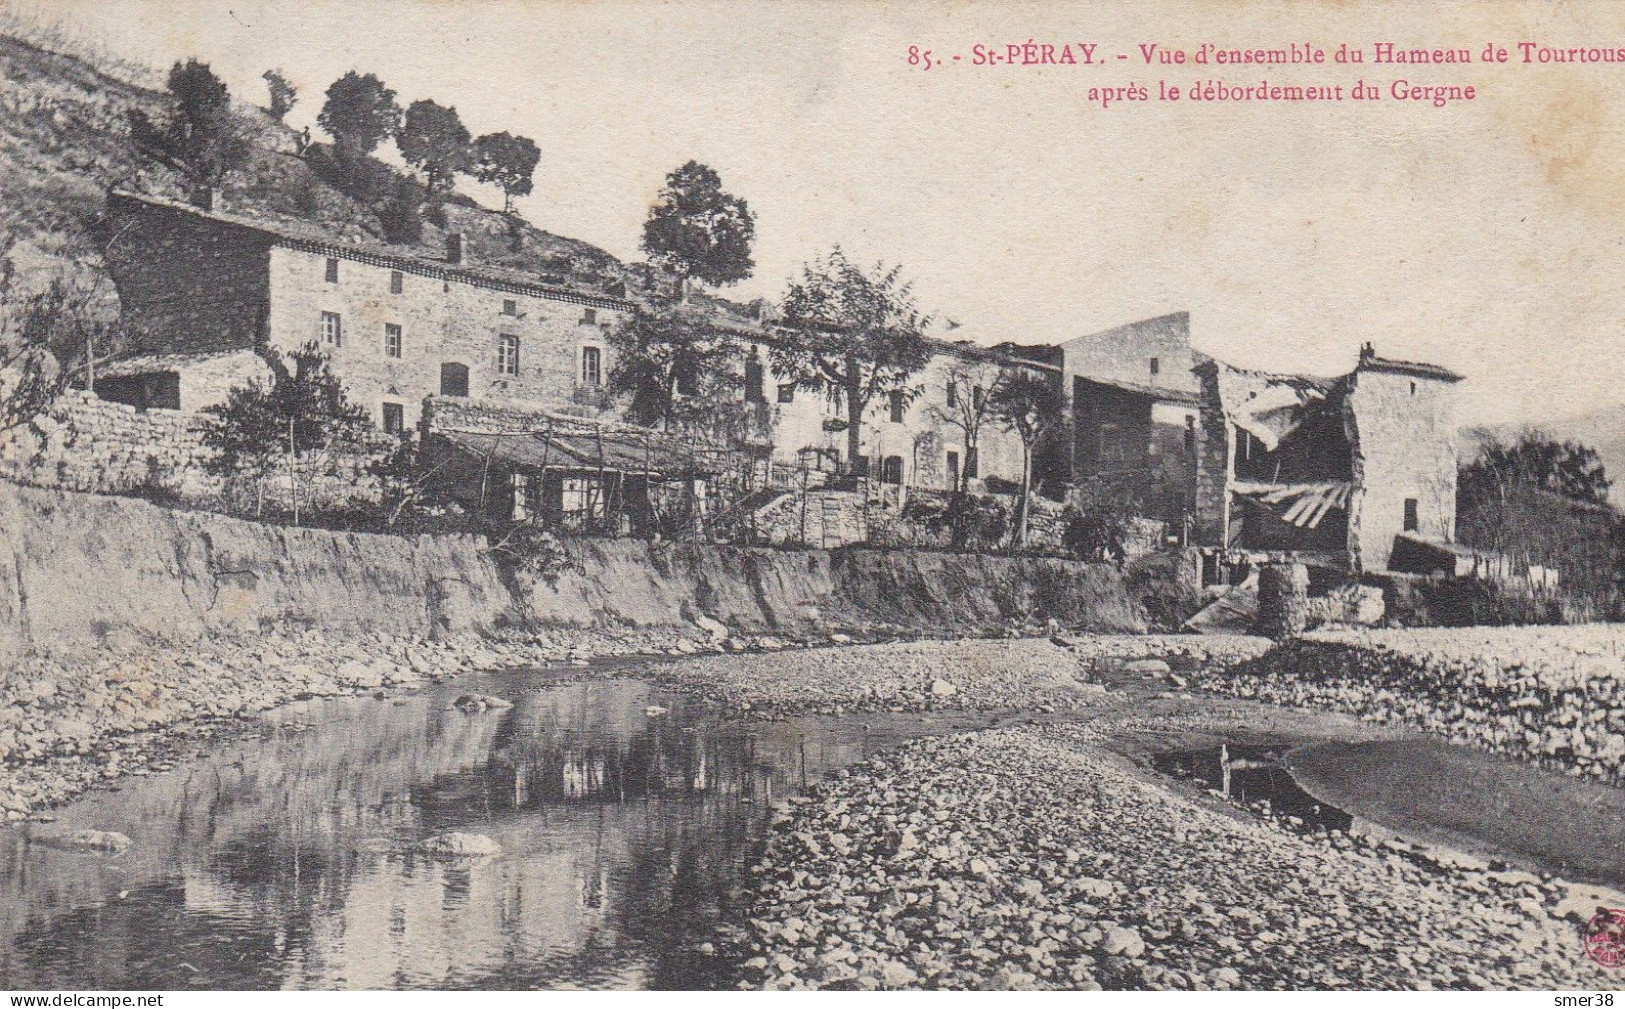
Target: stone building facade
1327,470
398,327
930,439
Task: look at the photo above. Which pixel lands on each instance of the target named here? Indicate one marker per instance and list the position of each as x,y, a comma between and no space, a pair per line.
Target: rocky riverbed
1550,695
1038,674
1028,857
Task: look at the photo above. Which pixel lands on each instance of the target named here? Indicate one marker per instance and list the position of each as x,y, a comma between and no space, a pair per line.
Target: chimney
454,247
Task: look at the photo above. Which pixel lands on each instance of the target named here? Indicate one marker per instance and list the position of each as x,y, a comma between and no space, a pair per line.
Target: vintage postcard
634,495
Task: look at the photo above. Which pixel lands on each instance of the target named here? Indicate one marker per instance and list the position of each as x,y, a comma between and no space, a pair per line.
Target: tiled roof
1374,363
1160,393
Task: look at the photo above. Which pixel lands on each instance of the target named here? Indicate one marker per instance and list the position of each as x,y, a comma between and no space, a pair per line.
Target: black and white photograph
632,496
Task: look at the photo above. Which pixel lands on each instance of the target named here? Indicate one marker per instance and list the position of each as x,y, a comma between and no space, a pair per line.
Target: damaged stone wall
1402,428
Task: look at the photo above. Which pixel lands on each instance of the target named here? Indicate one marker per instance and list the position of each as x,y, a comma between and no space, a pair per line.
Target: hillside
64,140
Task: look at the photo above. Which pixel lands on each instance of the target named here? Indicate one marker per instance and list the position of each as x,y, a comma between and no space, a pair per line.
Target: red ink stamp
1605,937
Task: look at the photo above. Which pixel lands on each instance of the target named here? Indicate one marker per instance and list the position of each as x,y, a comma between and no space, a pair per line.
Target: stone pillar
1283,600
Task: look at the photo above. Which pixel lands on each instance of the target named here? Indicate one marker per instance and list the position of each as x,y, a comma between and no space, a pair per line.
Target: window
898,405
396,281
755,376
891,470
683,380
1111,444
1156,367
527,497
953,393
589,316
1190,435
1411,519
1413,388
392,340
978,397
581,500
332,330
332,271
507,354
453,379
787,392
970,464
394,418
592,366
510,306
953,465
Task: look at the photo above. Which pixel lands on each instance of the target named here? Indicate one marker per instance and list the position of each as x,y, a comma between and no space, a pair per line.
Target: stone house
202,289
1134,406
944,432
1329,471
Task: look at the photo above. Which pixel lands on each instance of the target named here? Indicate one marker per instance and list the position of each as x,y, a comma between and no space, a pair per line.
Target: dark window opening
1412,520
332,271
787,392
978,397
589,316
970,464
394,418
953,468
684,381
396,281
898,405
891,470
953,393
453,379
510,306
1156,367
592,372
755,377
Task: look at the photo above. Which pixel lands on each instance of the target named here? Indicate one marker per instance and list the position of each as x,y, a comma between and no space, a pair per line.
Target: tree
1029,406
202,138
301,412
966,403
1534,460
284,96
400,217
851,335
49,336
674,365
695,230
508,162
359,115
432,138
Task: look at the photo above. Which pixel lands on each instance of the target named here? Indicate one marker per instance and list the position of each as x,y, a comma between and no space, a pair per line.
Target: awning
620,451
1310,502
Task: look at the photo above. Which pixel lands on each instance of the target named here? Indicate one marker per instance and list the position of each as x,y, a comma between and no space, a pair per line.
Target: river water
625,830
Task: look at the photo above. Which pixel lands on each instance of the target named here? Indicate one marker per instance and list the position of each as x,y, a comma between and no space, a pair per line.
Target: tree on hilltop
432,138
202,138
360,114
508,162
284,96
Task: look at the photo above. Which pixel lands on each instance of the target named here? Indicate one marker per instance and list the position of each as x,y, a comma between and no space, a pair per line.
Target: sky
1487,235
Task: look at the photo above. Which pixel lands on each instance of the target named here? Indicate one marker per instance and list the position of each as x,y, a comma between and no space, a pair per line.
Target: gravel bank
1026,858
1551,695
1032,674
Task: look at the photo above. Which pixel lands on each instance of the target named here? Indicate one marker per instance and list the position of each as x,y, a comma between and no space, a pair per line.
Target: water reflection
625,832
